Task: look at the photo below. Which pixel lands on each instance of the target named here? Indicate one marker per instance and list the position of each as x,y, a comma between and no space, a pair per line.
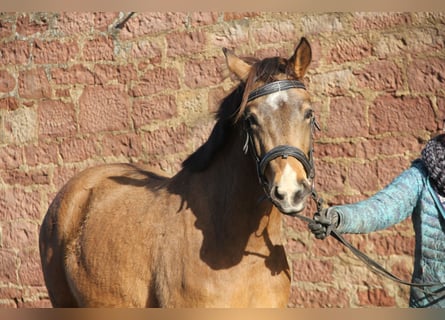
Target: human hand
324,222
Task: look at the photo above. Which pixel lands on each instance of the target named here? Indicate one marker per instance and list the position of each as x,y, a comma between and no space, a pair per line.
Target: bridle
283,151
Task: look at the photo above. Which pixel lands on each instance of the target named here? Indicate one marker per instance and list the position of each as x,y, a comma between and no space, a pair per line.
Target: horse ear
302,58
236,65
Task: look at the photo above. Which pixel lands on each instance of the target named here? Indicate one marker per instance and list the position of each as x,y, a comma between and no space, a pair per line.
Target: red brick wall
75,92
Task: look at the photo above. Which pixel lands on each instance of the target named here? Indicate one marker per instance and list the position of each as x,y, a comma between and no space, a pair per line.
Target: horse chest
250,282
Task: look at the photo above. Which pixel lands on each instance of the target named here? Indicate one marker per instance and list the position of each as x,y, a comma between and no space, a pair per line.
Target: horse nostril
298,196
278,195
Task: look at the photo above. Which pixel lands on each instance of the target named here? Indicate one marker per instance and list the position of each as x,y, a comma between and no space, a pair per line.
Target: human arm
387,207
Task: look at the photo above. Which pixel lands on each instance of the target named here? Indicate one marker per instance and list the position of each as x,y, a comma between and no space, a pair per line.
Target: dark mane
232,108
201,158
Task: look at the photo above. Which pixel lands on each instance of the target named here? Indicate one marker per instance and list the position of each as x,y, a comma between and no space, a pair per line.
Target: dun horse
121,235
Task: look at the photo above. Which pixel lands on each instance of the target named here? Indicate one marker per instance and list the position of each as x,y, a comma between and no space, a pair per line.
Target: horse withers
120,235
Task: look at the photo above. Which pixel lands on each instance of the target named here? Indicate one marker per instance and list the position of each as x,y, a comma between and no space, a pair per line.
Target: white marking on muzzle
288,185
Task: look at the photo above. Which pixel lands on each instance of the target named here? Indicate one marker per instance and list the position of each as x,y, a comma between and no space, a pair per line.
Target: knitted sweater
410,194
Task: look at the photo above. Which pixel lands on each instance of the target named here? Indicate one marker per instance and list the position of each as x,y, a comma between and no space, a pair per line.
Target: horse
124,235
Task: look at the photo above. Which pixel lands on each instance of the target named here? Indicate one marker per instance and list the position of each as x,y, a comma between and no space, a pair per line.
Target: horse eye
309,113
252,119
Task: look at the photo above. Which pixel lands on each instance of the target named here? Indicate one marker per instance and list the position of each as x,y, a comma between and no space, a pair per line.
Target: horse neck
232,197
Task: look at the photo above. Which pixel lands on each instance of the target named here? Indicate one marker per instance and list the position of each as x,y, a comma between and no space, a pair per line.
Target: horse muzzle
290,190
290,195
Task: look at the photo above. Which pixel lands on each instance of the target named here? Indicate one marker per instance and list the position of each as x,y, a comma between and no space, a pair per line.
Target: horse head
278,121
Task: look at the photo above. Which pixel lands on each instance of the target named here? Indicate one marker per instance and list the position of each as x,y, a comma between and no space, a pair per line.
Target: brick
103,108
110,73
38,303
21,126
62,93
31,23
41,153
161,107
152,23
380,75
440,114
56,51
99,49
347,117
229,16
388,169
121,145
16,203
9,103
8,266
61,176
198,19
71,23
33,84
425,40
380,20
272,32
348,49
375,297
26,178
333,83
30,270
230,36
426,75
20,234
313,270
15,52
104,19
333,177
272,52
402,269
396,244
77,149
7,81
336,150
356,174
400,114
390,46
312,24
10,292
11,157
6,28
166,140
9,304
319,298
328,247
293,246
76,74
148,50
199,73
185,43
387,146
156,80
56,118
357,274
429,17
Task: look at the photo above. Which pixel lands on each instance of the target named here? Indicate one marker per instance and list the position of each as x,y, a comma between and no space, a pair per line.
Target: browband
275,86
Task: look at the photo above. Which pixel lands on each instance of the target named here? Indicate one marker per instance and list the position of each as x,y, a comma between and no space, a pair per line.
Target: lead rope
369,263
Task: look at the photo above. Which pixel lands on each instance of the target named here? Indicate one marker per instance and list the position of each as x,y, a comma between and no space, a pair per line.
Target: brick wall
75,92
